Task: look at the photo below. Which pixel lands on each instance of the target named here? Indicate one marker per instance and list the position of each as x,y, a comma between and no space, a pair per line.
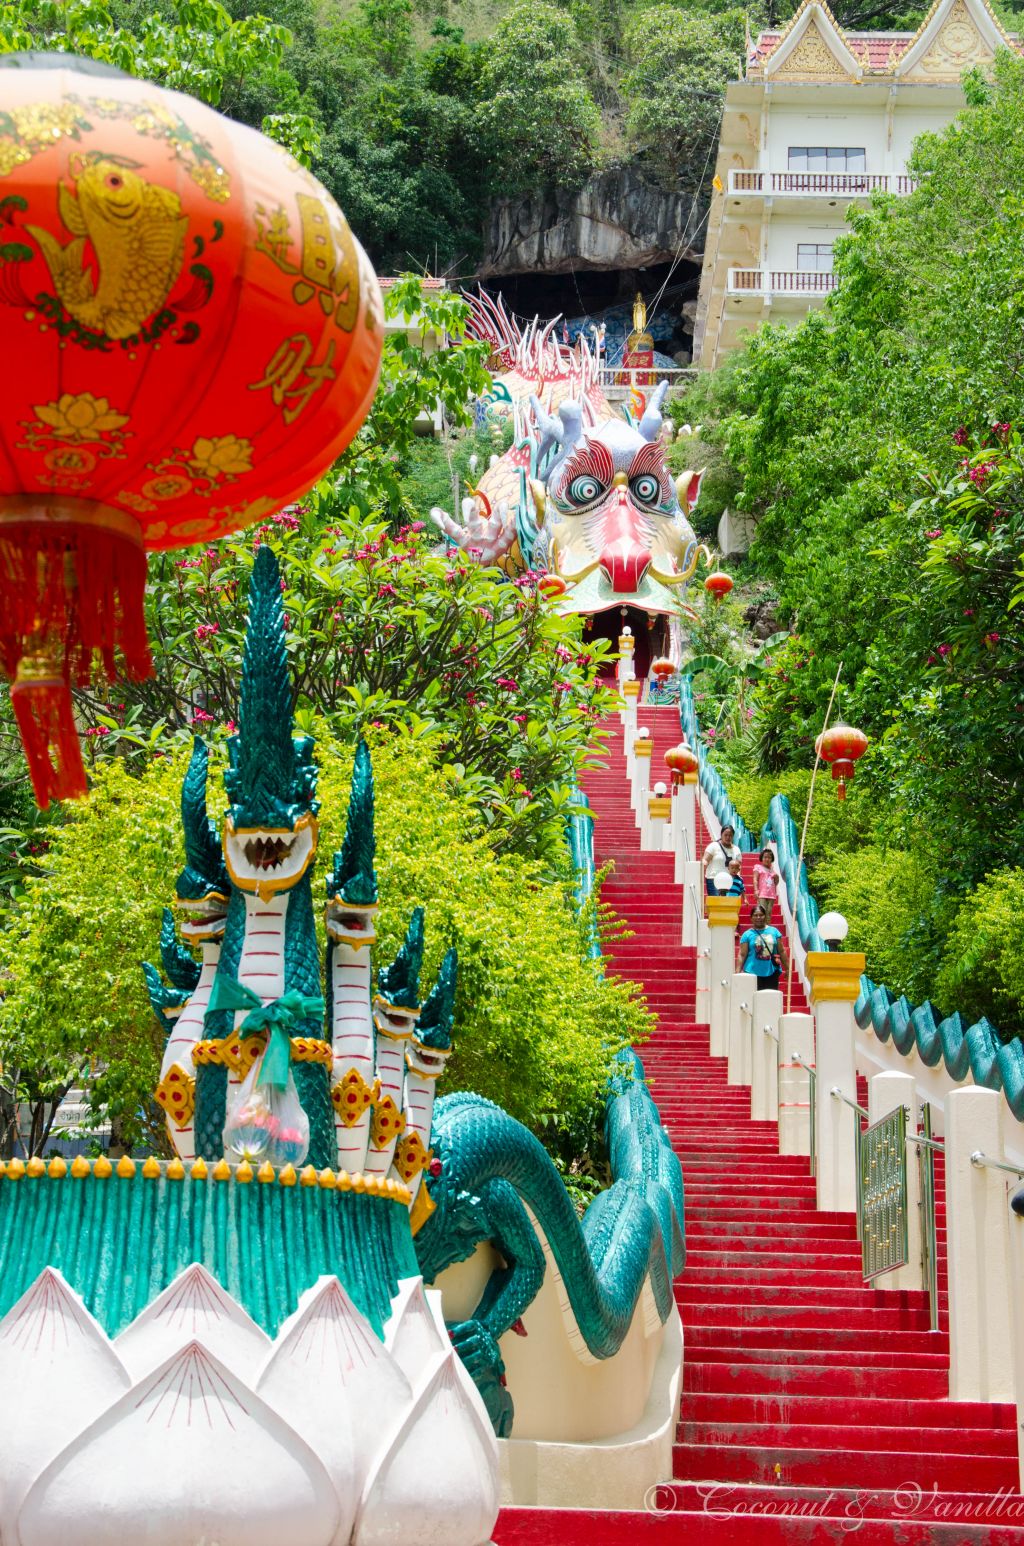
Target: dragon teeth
265,853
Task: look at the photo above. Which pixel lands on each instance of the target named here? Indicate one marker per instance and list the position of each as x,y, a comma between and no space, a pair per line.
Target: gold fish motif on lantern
137,232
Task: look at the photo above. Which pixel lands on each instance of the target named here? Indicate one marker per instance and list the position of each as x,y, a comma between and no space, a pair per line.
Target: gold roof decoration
813,47
829,39
955,29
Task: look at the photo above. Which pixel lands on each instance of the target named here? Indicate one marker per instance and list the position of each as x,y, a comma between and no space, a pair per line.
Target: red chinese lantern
662,668
719,584
680,760
552,586
841,745
191,337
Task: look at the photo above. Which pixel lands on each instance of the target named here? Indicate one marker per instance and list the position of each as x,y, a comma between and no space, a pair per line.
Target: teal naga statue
364,1060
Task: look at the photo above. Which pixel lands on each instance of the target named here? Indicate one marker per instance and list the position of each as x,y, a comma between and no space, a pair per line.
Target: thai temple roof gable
812,46
953,36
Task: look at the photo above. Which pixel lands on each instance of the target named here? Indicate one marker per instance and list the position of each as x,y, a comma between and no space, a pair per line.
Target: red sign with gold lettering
191,336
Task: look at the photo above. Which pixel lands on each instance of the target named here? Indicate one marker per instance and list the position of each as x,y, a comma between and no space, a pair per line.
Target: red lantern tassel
41,700
74,574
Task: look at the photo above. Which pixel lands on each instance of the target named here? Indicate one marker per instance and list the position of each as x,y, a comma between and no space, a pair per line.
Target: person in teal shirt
762,951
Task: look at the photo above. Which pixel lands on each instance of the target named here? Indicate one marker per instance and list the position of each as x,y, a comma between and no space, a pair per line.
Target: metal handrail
984,1162
767,1031
837,1094
812,1091
926,1151
745,1009
929,1143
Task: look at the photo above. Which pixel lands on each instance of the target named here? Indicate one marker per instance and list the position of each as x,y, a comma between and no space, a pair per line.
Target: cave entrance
650,631
591,292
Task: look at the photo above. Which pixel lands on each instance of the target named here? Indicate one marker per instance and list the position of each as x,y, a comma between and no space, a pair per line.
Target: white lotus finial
193,1308
50,1348
437,1480
326,1373
189,1455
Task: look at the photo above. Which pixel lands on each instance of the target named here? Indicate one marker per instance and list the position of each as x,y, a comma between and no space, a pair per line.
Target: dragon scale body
496,1183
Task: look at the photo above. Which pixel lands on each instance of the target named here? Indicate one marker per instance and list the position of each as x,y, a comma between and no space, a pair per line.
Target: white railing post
659,814
796,1040
723,915
642,748
685,817
741,1007
764,1055
693,901
703,1012
1016,1231
630,699
978,1237
887,1092
835,986
624,664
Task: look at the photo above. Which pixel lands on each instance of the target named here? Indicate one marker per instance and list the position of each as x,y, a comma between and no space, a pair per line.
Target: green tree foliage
191,45
545,122
415,132
679,64
535,1025
832,427
878,446
429,365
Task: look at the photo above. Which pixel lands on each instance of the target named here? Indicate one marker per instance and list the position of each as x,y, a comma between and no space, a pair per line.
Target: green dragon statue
366,1062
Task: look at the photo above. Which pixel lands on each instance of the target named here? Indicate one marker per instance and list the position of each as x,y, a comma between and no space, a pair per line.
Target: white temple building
821,119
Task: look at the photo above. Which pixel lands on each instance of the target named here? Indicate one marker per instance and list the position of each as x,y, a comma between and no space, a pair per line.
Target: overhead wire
687,239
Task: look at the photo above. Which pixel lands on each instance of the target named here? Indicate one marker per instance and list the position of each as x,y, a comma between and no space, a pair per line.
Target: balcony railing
644,376
847,185
775,281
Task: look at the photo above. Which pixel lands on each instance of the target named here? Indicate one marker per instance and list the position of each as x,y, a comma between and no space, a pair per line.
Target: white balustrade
796,1042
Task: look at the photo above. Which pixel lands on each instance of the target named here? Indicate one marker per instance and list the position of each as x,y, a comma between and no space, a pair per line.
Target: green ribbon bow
277,1018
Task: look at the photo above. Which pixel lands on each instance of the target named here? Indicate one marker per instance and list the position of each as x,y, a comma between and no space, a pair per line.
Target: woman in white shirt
716,858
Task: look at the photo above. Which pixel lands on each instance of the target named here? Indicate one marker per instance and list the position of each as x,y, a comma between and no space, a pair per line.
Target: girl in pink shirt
766,882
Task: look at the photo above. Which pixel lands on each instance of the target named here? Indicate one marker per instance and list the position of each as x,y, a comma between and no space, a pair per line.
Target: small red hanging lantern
681,760
552,586
719,584
841,746
191,337
662,668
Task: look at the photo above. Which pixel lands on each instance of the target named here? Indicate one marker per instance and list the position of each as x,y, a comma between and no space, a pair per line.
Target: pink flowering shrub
385,629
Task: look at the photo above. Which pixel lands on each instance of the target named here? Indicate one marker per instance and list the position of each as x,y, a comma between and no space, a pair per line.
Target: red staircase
813,1405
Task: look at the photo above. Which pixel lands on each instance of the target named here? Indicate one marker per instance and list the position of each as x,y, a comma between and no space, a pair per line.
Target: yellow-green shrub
982,970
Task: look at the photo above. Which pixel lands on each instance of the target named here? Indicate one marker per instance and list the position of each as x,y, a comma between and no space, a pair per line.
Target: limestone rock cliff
615,221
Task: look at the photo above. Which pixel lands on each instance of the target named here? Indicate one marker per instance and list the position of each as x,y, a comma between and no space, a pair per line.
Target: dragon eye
646,488
584,489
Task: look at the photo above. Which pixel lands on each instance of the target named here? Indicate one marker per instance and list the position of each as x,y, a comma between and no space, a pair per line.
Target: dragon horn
180,965
650,424
263,774
399,983
354,878
434,1028
204,861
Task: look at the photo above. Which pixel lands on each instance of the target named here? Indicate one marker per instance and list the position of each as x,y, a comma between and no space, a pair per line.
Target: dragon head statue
615,525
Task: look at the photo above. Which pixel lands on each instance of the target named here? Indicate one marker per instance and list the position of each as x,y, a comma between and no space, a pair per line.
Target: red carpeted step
813,1408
